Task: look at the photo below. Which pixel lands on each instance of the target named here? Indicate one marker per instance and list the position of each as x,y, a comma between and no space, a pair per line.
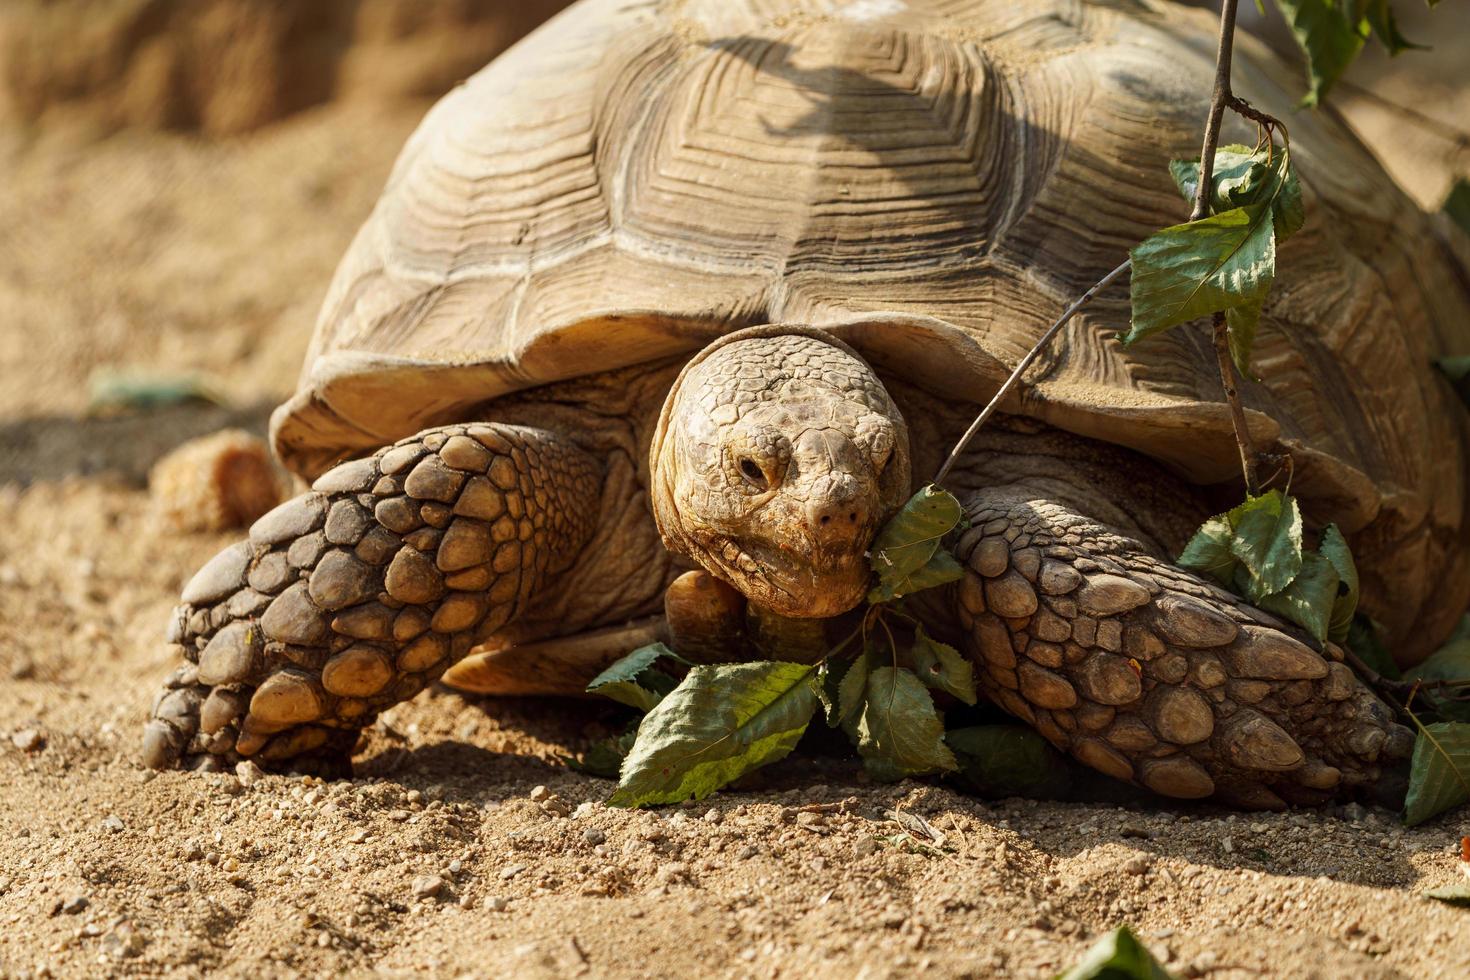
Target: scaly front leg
1148,673
355,596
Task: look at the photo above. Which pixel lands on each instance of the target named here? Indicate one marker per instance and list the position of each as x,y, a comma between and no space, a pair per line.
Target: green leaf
850,692
1450,894
1334,548
906,555
1450,662
718,724
1268,541
1328,38
899,732
1208,552
1117,956
1010,760
1379,14
1457,369
604,757
1363,639
941,667
1457,204
633,682
1191,270
1439,775
1236,168
1309,599
1242,321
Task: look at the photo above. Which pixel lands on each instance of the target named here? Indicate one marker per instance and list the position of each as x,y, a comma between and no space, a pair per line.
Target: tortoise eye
753,474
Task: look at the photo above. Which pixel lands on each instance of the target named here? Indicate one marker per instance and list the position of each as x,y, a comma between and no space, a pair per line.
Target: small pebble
540,794
494,903
594,836
1139,864
428,886
512,871
113,824
248,773
28,740
75,904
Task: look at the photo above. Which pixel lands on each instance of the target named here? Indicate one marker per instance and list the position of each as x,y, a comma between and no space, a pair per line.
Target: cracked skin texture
776,454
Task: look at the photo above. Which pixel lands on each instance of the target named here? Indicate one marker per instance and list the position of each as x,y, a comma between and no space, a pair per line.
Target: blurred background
180,178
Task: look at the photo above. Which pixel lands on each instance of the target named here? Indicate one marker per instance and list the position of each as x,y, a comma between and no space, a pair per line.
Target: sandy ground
442,857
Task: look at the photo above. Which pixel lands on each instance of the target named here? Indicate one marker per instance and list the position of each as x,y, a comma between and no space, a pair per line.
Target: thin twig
1031,355
1220,99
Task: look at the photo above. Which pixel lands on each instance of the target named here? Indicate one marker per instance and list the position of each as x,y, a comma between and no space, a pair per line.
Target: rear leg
1148,673
355,596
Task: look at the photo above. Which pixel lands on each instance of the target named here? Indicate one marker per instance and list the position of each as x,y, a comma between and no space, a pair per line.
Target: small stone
112,824
1188,622
248,773
220,576
1056,578
1138,864
1107,595
510,872
540,794
991,557
28,740
495,903
292,519
594,836
1011,596
412,578
427,886
75,904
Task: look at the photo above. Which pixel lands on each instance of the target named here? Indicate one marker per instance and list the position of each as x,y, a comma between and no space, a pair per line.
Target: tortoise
672,304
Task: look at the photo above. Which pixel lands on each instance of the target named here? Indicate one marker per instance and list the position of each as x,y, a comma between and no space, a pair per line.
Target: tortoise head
777,455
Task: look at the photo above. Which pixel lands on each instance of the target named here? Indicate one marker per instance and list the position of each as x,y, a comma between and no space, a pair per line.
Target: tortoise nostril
852,517
826,519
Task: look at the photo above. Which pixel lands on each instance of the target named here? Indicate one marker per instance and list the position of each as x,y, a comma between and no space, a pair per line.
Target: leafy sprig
722,721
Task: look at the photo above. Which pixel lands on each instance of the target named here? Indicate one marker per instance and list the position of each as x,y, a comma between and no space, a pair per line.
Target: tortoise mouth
815,584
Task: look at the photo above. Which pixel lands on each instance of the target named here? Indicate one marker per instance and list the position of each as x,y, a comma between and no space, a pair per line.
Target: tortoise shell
931,180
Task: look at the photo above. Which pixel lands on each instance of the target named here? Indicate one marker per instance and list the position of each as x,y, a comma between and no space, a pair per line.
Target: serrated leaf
1010,760
941,667
850,692
1241,322
1328,38
899,732
1439,774
1191,270
1379,14
1117,956
1457,204
1450,662
1450,894
1236,167
1334,548
1309,599
1268,541
633,681
720,722
906,555
1208,552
